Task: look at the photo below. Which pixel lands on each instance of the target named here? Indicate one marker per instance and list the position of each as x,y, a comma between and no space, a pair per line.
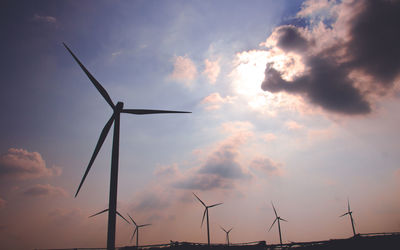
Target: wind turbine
204,214
227,234
277,218
137,230
349,212
105,210
115,118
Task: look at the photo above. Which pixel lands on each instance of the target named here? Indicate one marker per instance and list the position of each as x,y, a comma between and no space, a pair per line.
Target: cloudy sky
294,102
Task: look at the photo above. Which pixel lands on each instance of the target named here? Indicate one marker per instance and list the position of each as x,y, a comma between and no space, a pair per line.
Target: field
380,241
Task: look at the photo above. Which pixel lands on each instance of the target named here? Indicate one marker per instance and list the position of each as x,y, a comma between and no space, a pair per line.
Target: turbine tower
277,218
227,234
204,214
349,212
137,230
115,118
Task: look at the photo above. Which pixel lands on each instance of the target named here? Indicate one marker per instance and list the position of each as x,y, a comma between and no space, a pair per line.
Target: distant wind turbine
105,210
277,218
204,214
227,234
115,118
137,230
349,212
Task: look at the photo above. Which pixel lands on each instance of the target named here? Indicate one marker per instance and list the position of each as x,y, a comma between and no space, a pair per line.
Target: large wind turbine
349,212
227,234
115,118
277,218
105,210
204,214
137,230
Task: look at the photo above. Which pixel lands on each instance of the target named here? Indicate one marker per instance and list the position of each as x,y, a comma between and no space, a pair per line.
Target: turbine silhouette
349,212
105,210
204,214
227,234
115,118
277,218
137,230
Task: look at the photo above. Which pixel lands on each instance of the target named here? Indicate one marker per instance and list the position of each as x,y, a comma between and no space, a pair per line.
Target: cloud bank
22,164
45,190
349,51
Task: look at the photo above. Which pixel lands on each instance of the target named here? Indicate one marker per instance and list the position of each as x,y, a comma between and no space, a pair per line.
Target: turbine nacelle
119,107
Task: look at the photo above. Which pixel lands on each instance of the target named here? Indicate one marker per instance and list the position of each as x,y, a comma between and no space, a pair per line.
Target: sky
293,102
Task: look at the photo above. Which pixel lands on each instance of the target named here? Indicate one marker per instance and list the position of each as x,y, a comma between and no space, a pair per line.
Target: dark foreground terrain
383,241
365,242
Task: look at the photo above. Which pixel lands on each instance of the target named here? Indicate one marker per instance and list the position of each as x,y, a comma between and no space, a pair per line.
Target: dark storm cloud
220,170
203,182
326,84
373,48
290,39
375,42
223,163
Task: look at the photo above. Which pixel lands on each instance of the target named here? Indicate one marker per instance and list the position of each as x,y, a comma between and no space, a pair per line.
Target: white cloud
269,137
185,70
212,70
292,125
214,101
22,164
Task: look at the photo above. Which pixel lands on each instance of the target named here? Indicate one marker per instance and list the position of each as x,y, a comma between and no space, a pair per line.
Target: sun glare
249,72
248,75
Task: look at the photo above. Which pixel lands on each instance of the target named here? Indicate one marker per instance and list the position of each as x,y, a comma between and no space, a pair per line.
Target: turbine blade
134,232
132,220
98,86
204,214
344,214
123,217
100,142
145,225
105,210
274,209
223,229
272,224
283,219
348,205
230,230
200,200
150,111
215,205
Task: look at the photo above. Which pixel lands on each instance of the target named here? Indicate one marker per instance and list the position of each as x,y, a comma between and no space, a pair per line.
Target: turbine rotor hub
119,106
